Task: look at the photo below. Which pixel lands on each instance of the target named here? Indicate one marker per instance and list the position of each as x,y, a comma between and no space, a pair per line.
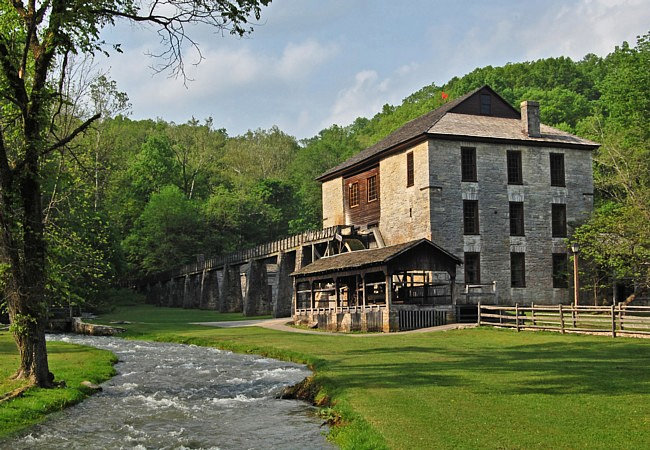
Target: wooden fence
615,320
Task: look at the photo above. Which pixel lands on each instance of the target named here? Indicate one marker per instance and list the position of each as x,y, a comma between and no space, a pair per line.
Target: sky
310,64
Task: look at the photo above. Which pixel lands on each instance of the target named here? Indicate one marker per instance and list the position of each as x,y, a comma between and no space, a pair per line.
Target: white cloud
407,69
588,26
223,70
299,60
366,96
360,99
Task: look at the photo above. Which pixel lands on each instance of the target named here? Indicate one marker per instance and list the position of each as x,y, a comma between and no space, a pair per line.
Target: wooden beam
363,287
389,289
337,295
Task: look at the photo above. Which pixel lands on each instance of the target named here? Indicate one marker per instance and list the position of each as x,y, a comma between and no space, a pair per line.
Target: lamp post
575,248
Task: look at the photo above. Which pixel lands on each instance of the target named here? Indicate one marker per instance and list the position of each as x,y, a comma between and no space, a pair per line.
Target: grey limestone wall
447,192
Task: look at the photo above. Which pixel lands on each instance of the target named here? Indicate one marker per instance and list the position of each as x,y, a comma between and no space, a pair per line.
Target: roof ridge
415,131
421,125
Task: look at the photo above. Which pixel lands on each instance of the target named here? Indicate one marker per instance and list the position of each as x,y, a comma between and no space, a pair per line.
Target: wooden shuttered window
354,195
486,104
472,267
371,187
410,174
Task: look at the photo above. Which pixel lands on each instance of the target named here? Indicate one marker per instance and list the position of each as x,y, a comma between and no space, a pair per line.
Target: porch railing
341,309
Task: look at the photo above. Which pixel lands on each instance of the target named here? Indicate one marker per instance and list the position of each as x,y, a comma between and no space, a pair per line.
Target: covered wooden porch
393,288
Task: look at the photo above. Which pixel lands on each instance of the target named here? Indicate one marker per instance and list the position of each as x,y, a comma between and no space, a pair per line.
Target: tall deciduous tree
33,34
617,239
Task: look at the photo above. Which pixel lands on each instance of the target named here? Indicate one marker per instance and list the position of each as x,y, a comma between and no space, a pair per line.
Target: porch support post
390,318
452,287
311,295
356,290
389,289
294,297
364,311
336,288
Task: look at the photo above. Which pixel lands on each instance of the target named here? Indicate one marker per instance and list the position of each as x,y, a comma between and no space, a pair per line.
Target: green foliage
559,105
152,168
617,239
258,155
170,231
110,298
197,149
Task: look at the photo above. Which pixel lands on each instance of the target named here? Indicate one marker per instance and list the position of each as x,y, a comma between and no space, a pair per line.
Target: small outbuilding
400,287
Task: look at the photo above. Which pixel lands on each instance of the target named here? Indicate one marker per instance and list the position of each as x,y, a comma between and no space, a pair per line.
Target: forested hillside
134,197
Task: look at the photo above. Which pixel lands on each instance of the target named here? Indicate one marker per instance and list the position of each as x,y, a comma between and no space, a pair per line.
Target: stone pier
231,296
258,294
283,299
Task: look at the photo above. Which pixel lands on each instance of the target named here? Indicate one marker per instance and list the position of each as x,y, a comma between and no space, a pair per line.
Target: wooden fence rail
614,319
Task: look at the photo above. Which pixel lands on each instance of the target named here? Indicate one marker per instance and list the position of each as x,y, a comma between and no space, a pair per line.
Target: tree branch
20,8
31,23
80,129
61,143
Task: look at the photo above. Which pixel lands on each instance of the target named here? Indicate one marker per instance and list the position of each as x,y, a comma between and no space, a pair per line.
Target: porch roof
368,258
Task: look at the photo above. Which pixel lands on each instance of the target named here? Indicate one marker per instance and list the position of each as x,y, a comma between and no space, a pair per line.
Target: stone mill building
487,183
470,202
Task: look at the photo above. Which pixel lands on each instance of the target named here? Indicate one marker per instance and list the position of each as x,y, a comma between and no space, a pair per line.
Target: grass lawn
469,388
148,319
71,363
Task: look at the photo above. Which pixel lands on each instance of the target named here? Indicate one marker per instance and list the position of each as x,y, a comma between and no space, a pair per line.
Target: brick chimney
530,118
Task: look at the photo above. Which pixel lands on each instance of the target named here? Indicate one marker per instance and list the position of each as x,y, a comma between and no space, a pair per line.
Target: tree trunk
637,292
28,325
26,289
33,356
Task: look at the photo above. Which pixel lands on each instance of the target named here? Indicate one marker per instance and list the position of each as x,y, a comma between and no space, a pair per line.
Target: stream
173,396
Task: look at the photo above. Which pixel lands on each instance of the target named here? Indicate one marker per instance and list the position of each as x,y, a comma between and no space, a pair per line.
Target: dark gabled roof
366,258
418,129
410,130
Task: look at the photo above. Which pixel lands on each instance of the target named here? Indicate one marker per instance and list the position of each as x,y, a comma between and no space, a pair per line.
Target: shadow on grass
551,368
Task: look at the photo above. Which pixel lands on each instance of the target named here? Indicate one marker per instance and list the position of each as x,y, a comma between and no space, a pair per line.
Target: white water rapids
174,396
